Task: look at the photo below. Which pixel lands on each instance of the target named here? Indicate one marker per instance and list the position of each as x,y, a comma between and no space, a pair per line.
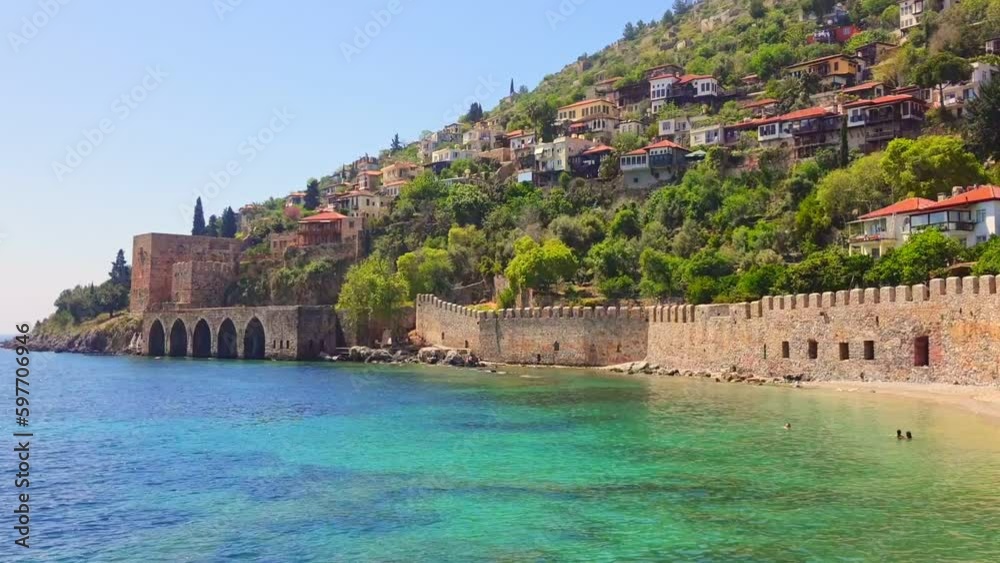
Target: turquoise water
181,460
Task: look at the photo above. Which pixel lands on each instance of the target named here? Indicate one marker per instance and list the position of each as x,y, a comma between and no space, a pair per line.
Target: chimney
957,190
942,197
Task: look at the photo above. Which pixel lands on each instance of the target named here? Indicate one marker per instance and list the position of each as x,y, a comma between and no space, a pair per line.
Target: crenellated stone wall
945,331
570,336
875,334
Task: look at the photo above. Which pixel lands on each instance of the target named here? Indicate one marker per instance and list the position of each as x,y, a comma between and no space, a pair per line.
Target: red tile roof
906,206
372,172
598,149
760,103
585,102
862,87
325,217
819,60
689,77
664,144
974,195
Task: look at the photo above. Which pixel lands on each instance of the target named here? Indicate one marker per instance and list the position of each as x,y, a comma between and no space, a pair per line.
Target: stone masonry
184,270
946,331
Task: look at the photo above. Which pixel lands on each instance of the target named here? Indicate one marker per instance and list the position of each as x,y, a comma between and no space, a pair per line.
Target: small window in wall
555,346
813,350
845,351
442,337
922,351
765,351
786,350
288,344
619,349
869,350
467,344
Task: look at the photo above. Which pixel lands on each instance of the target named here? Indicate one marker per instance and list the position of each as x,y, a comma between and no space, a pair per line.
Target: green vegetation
373,295
84,303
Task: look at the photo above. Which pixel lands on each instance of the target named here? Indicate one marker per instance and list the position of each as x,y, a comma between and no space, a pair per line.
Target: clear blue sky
217,80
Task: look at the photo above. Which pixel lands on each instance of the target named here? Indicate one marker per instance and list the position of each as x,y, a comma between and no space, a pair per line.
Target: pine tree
198,229
229,226
212,229
121,272
512,87
312,194
396,145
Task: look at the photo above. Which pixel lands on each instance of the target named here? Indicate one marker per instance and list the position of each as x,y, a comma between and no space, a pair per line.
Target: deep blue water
180,460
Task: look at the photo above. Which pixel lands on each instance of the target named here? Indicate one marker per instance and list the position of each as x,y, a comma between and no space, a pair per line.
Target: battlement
951,290
637,313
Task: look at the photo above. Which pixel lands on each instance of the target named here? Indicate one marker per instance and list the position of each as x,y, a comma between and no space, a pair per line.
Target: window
980,216
869,350
845,351
921,352
786,350
813,350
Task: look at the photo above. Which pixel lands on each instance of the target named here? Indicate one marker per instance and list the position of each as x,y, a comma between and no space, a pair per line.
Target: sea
140,459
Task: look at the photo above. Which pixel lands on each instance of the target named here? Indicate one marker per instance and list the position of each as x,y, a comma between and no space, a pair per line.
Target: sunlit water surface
181,460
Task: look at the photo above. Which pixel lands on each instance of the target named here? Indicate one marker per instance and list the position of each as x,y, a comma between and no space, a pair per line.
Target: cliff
109,336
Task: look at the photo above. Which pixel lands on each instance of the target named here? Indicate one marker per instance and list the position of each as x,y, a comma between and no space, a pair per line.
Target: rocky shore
118,336
430,355
734,375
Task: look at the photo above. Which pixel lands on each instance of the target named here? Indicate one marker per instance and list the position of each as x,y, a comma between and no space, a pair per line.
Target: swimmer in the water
908,435
788,426
899,434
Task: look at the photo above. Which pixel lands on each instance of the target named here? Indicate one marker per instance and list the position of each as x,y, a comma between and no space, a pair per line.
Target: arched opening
253,340
156,342
201,345
178,339
228,349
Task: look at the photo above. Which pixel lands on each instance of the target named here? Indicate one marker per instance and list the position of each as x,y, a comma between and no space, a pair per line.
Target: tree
428,270
542,113
846,193
930,165
468,204
757,10
681,7
668,18
475,113
229,226
372,295
198,228
615,263
941,69
212,229
395,146
121,272
311,201
988,262
982,129
924,255
111,297
630,32
660,274
828,270
540,267
626,224
768,60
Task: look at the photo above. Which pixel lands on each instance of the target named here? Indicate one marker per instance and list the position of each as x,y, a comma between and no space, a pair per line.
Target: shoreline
980,400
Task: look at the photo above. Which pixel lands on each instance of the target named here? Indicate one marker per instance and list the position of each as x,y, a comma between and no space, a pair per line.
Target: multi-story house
652,165
866,91
587,164
872,124
366,163
874,52
520,139
370,180
295,198
956,95
396,175
481,138
598,127
814,129
362,204
586,108
552,159
993,46
969,216
764,107
682,89
708,135
911,12
834,71
631,126
678,129
629,98
664,69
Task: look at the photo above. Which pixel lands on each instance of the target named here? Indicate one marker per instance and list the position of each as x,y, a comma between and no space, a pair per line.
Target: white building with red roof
969,216
655,164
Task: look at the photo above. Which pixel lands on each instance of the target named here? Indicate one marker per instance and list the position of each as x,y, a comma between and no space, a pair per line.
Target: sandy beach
980,400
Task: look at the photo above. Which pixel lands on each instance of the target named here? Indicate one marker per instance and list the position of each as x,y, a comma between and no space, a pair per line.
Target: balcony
662,161
871,237
947,226
881,134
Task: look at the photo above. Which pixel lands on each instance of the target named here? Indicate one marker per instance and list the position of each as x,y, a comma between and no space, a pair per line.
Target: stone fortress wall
569,336
946,331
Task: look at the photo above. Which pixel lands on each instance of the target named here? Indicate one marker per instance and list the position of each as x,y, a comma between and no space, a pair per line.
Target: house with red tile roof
653,165
970,216
873,123
587,164
834,71
802,132
586,108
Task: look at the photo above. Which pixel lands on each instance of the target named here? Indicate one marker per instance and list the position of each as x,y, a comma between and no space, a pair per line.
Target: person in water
899,434
908,435
788,426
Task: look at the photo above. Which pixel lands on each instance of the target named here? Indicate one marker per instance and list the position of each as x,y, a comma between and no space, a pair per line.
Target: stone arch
156,340
178,339
227,347
254,340
201,341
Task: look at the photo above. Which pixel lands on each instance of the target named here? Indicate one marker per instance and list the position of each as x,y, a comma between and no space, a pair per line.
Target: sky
117,114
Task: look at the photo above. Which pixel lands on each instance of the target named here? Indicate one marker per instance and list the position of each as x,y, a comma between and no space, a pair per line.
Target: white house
451,155
652,165
554,157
